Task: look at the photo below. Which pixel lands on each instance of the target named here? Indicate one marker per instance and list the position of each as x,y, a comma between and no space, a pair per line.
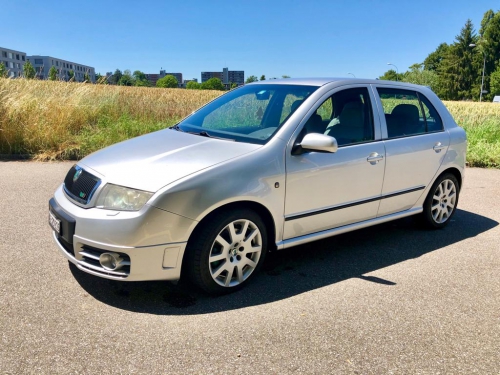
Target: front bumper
161,262
151,240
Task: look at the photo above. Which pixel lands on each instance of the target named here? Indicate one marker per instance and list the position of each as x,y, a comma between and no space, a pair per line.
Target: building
42,65
205,76
13,61
227,76
233,76
178,77
155,77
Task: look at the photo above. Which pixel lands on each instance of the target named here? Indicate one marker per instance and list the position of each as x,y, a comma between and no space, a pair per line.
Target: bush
213,84
192,85
168,81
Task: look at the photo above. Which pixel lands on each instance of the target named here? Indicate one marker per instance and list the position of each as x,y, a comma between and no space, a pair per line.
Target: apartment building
233,76
13,61
205,76
42,65
155,77
226,76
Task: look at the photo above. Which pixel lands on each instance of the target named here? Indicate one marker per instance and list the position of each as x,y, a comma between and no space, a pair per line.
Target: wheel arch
258,208
454,171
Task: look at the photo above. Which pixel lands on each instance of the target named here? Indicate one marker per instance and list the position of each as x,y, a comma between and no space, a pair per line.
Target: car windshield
252,113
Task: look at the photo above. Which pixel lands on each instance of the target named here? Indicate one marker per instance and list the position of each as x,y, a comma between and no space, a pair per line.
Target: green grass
483,144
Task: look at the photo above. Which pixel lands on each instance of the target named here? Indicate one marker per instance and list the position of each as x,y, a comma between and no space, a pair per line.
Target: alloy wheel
235,253
444,201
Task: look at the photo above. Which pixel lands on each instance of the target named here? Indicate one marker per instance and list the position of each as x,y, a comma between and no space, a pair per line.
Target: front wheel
441,202
226,251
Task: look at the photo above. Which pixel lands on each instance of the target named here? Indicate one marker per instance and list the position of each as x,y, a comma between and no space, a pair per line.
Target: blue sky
296,38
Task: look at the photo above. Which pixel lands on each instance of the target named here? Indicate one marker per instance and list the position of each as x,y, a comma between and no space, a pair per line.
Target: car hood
154,160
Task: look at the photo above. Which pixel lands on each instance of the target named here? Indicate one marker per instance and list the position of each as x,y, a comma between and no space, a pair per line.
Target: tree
52,73
233,85
489,44
433,61
28,70
3,71
495,82
285,76
126,79
140,79
485,21
262,77
420,76
115,77
458,69
391,75
213,84
459,66
192,85
86,78
251,79
168,81
71,75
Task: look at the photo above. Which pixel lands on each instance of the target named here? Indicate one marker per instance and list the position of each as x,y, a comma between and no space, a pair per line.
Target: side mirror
316,142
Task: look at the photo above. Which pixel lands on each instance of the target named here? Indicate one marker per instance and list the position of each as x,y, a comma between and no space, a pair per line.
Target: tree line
455,71
138,78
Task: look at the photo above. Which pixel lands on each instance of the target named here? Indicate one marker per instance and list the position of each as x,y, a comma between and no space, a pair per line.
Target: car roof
320,81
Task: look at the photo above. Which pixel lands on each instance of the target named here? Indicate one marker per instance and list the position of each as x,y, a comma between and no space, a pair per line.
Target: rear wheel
441,202
226,251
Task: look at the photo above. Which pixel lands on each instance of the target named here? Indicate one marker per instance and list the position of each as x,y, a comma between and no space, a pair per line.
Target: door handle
374,158
438,147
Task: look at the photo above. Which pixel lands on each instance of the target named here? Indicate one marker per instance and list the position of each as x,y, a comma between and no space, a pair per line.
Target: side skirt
346,228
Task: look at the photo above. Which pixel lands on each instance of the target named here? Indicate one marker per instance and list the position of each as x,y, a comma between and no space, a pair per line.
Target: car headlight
114,197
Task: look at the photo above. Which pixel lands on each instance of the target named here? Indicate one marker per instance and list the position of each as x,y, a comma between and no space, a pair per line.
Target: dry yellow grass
474,113
60,120
44,117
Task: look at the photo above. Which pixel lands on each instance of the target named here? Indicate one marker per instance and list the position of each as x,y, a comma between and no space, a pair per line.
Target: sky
312,38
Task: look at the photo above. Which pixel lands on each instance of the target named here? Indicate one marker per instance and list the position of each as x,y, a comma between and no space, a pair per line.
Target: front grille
90,259
80,185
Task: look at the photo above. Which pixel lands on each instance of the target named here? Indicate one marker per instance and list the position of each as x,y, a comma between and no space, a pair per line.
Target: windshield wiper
203,133
177,127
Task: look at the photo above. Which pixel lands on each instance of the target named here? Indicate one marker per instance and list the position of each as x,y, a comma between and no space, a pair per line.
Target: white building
13,61
42,65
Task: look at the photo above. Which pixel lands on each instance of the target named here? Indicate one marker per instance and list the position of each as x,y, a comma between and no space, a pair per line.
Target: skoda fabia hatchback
266,166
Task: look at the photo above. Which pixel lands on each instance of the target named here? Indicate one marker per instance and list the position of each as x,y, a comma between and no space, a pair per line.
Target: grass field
58,120
61,120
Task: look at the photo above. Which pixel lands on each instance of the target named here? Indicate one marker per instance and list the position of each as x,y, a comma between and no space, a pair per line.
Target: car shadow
294,271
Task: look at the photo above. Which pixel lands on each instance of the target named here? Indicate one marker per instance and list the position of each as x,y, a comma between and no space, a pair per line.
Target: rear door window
408,113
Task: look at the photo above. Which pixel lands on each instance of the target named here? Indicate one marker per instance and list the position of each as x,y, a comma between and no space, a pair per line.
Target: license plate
54,223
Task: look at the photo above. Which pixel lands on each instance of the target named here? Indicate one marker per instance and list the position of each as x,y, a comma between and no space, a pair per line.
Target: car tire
226,251
441,202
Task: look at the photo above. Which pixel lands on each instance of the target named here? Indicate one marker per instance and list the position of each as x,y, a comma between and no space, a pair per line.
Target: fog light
111,261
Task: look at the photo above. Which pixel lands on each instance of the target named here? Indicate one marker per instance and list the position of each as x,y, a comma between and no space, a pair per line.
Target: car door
415,144
328,190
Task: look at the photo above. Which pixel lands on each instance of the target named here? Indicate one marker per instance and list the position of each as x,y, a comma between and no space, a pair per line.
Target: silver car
267,166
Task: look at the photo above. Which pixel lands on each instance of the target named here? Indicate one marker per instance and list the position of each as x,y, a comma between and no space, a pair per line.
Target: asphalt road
391,299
